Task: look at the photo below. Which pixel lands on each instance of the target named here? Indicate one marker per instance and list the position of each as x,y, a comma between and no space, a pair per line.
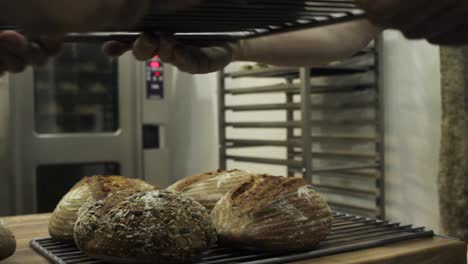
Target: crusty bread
7,242
144,227
272,214
208,188
92,189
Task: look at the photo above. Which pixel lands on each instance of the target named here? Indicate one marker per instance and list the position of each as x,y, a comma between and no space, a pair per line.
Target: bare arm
310,47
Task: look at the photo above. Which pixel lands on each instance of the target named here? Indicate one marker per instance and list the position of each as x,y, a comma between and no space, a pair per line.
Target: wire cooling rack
349,233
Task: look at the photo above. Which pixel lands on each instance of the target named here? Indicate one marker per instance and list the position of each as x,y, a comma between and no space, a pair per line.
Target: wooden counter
431,251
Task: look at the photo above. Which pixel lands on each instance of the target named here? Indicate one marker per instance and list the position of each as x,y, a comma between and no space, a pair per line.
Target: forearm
309,47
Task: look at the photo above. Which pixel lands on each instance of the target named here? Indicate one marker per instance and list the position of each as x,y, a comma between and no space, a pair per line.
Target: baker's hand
442,22
60,16
190,59
16,52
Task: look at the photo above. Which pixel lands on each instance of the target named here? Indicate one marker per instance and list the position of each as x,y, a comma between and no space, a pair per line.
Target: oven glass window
77,92
54,181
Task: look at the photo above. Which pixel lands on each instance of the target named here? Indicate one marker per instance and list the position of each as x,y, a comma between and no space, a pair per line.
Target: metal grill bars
350,233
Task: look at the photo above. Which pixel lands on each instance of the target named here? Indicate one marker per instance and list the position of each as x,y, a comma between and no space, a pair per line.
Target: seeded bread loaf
271,213
209,188
144,227
7,242
88,189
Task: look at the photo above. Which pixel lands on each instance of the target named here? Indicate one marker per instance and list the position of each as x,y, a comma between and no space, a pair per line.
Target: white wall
193,125
256,116
411,78
192,131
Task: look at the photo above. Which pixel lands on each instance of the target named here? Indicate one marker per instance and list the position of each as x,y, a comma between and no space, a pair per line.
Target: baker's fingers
193,59
146,46
36,55
51,45
116,48
13,51
167,48
188,59
13,42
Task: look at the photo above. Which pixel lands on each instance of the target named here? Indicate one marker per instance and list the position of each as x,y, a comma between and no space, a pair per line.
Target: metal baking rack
341,154
252,17
349,233
233,19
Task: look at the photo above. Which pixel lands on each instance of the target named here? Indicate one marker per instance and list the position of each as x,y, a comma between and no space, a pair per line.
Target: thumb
197,60
115,48
146,47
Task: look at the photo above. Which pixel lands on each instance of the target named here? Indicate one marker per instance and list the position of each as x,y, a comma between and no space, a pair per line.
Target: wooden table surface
431,251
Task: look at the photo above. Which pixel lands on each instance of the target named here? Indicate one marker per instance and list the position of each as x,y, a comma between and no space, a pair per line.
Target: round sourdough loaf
144,227
272,214
88,189
209,188
7,242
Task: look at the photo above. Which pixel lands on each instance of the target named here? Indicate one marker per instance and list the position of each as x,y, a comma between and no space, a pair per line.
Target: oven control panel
154,78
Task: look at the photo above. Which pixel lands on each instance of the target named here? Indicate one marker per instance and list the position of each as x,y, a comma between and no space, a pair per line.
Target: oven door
75,117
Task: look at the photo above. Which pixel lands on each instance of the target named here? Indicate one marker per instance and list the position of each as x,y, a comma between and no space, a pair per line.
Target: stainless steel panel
305,124
290,163
32,149
76,92
157,167
5,147
222,120
380,147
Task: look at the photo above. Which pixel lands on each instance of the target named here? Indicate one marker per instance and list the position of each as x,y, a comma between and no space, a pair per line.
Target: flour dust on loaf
144,227
89,189
272,214
209,188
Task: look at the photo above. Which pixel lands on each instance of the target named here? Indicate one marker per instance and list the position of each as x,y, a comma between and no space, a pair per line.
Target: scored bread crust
209,188
144,227
271,213
7,242
89,189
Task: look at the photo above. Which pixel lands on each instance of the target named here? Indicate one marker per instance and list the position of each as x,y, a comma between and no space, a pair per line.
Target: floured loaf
272,214
209,188
144,227
7,242
88,189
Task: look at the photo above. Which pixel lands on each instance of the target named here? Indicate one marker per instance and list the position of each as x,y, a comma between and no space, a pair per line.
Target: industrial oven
83,114
86,114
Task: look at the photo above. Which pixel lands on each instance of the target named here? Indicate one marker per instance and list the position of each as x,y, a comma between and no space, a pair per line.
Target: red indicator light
157,74
155,64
